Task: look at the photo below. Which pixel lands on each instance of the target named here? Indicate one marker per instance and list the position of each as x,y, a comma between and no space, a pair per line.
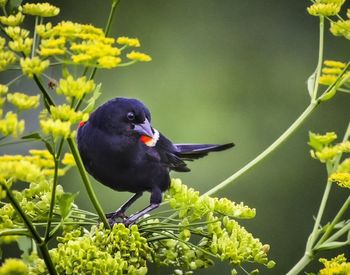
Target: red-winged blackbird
121,149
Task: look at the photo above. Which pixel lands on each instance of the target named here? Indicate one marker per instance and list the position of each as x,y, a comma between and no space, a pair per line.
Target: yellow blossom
21,45
318,141
3,89
324,9
77,88
33,66
68,159
328,153
16,32
10,125
334,64
40,9
13,266
344,166
66,113
327,79
6,59
2,43
81,58
342,179
12,20
52,46
335,71
23,101
131,42
56,128
108,62
139,56
341,28
44,30
336,265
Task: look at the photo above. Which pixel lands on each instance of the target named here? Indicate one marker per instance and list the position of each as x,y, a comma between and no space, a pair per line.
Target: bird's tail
195,151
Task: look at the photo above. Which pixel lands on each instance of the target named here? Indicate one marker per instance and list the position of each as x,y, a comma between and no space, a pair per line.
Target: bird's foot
114,216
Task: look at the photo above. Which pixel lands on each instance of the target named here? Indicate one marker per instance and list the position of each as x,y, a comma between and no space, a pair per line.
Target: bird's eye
130,116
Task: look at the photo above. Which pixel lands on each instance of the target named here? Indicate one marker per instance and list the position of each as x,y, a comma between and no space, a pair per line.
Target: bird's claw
112,217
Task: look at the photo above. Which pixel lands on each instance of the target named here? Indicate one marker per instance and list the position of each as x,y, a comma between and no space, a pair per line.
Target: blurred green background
229,71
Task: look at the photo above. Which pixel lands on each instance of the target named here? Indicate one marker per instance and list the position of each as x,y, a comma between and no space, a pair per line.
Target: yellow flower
335,71
33,66
23,101
6,59
336,265
81,58
131,42
108,62
44,31
77,88
68,159
21,45
137,56
317,141
328,153
13,266
66,113
3,89
52,46
334,64
324,9
12,20
327,79
342,179
56,128
10,125
40,9
16,32
341,28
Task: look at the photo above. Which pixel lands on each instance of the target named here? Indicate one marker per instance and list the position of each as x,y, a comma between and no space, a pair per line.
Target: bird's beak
144,129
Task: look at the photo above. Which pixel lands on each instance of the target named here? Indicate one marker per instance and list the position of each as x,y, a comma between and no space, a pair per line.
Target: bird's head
124,116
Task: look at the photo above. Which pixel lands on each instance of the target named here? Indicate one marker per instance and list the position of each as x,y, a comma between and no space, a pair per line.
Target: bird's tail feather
194,151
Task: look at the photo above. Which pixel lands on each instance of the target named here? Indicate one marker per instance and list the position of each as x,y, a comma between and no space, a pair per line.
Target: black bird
121,149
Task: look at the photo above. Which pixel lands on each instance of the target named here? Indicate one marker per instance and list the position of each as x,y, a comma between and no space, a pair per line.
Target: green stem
339,233
304,261
334,222
267,151
47,259
320,58
47,99
34,36
53,192
87,183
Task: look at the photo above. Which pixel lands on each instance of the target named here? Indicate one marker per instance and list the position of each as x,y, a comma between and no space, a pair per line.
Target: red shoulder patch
145,139
81,124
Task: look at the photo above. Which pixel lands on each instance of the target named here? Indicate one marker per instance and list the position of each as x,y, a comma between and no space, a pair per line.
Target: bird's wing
165,152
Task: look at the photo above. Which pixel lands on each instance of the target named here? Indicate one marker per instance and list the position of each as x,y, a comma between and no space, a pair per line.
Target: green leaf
92,100
332,245
12,5
25,245
65,204
311,83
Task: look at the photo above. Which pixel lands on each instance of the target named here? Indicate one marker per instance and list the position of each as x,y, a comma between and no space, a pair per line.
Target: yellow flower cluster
13,266
137,56
52,46
66,113
12,20
6,57
23,101
3,92
23,45
337,265
341,28
40,9
317,141
130,42
33,66
342,179
32,168
329,152
325,7
77,88
10,125
55,127
332,69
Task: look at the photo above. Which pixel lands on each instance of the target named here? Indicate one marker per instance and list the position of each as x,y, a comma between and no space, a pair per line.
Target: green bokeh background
229,71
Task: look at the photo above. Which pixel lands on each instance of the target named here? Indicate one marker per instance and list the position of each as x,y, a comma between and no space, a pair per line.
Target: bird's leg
120,212
156,199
